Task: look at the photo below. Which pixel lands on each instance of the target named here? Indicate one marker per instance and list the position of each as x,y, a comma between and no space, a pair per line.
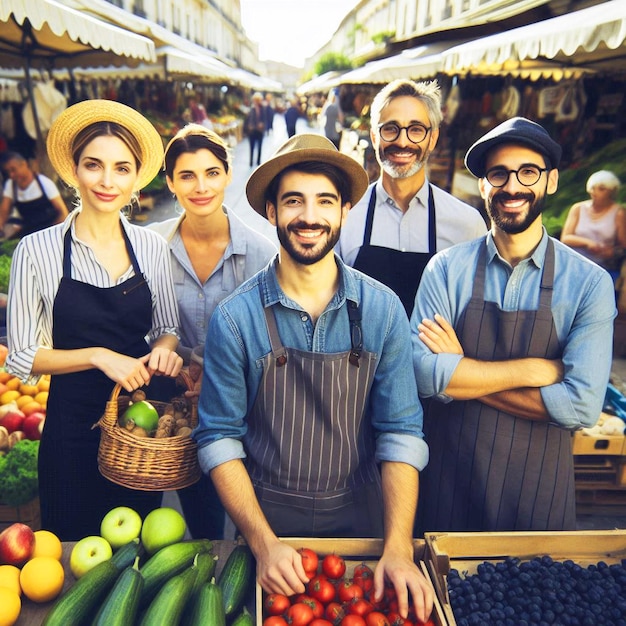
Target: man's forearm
473,379
400,491
525,402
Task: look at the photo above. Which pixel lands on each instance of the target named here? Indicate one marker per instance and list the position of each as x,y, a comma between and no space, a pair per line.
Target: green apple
120,526
162,527
142,414
87,553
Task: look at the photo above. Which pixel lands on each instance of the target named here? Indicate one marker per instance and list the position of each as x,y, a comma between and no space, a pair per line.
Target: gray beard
396,172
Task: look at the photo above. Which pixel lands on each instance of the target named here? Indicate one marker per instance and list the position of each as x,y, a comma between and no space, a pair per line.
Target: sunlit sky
290,31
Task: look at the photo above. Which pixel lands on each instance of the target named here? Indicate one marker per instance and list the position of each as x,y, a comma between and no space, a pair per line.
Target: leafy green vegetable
18,473
5,271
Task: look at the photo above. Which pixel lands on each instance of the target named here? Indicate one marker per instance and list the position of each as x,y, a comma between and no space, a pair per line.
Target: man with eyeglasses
512,336
404,219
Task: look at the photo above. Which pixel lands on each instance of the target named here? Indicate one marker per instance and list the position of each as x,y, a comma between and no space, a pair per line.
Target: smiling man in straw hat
308,386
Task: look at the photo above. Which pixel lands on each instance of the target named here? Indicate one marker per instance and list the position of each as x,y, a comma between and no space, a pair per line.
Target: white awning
320,84
52,34
589,39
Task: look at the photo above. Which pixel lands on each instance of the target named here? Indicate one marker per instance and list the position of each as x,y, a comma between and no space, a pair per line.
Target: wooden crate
584,444
28,514
465,551
354,552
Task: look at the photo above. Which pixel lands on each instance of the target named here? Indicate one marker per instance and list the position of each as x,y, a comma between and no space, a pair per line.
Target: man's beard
301,253
402,171
516,224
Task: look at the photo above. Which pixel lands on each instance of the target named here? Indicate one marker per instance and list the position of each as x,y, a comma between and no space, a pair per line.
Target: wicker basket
146,463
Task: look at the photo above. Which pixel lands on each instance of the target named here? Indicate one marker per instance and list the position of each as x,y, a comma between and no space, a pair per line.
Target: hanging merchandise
510,103
7,121
567,109
49,103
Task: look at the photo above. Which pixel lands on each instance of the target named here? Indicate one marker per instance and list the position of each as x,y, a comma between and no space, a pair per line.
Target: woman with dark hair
212,253
83,297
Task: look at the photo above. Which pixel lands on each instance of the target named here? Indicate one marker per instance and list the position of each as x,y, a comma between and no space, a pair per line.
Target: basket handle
110,410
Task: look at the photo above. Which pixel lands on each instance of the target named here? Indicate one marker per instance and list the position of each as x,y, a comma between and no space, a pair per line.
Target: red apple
13,420
33,425
17,543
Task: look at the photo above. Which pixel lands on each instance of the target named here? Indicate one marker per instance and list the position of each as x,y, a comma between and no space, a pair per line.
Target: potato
185,431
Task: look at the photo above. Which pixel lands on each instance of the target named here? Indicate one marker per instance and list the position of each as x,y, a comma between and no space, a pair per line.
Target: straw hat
77,117
298,149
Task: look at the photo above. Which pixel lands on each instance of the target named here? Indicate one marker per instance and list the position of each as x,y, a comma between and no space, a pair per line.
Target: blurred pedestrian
255,127
35,198
597,227
292,114
212,252
332,118
269,114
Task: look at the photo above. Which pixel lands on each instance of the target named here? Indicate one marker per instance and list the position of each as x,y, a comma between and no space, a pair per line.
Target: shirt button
304,318
200,296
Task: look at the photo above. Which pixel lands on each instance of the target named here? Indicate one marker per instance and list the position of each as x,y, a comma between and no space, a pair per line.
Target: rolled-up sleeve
577,401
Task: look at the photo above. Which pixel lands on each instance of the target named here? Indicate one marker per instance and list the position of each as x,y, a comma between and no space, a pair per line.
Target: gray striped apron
490,470
310,444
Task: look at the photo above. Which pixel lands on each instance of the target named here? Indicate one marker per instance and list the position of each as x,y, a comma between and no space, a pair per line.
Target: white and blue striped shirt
37,269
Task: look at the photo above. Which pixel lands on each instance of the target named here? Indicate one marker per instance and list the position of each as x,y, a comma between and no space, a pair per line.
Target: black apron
490,470
36,214
310,447
400,271
74,496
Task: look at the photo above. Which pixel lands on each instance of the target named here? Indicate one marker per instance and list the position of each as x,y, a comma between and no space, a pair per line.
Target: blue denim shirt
583,309
246,253
237,341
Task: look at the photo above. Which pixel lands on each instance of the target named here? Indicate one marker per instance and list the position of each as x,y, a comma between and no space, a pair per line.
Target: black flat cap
517,130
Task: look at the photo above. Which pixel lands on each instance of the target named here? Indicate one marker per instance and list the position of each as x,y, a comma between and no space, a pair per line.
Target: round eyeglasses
416,133
527,175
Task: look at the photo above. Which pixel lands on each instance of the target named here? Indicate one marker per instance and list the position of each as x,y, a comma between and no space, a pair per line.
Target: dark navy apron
74,496
490,470
36,214
400,271
309,443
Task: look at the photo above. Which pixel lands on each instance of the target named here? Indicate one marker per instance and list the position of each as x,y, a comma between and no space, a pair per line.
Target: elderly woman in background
597,227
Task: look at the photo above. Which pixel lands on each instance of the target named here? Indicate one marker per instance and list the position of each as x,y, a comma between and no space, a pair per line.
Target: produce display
339,593
539,591
124,583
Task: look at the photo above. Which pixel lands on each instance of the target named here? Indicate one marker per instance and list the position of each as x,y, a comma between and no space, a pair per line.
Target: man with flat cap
308,387
512,334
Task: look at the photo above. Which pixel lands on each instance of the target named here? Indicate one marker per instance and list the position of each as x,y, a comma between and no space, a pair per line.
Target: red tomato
353,620
318,621
320,588
275,620
360,606
334,612
309,560
299,614
376,618
276,603
316,606
347,591
363,576
333,566
395,619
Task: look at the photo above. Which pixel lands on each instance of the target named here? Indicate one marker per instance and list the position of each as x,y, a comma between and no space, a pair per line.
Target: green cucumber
205,562
208,608
122,604
168,562
243,619
236,577
168,604
78,602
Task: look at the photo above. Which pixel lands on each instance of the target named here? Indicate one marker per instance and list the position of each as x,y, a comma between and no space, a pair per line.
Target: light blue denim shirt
247,252
583,309
237,341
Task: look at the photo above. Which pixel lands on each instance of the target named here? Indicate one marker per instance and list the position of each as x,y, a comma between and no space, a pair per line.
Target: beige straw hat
77,117
298,149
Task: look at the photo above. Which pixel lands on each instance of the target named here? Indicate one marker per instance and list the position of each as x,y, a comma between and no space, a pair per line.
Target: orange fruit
22,400
42,398
42,579
44,383
28,390
5,376
13,383
47,544
11,606
31,407
9,396
10,578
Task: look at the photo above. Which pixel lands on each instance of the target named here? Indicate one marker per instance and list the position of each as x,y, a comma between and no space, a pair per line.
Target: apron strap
432,228
278,350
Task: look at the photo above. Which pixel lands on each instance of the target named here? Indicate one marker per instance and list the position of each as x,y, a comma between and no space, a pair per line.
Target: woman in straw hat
212,253
84,295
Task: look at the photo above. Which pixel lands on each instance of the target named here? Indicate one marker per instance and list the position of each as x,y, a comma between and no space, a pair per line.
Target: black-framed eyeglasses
527,175
416,133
